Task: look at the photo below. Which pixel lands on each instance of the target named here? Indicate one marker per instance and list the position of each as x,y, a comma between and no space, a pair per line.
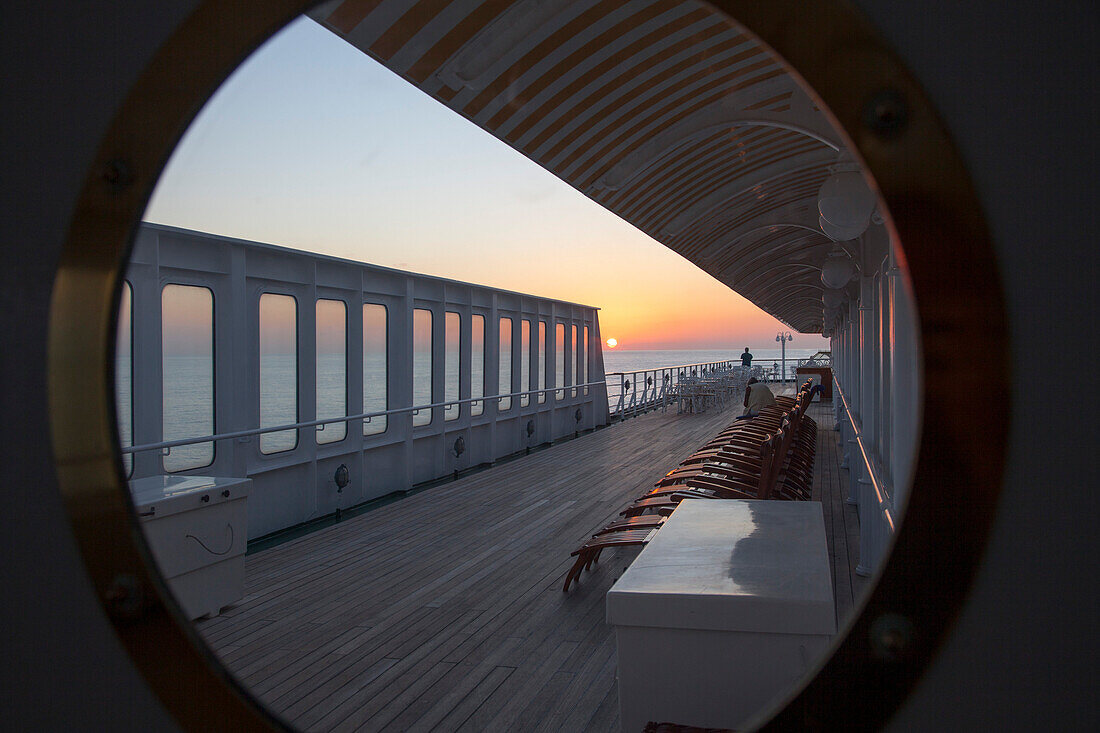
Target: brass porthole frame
934,208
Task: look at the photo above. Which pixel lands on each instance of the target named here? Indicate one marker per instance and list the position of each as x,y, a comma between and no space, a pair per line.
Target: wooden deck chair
721,484
589,553
759,486
741,454
645,521
803,388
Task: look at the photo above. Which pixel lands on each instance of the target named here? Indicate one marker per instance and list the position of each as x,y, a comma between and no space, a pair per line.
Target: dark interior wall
66,67
1017,93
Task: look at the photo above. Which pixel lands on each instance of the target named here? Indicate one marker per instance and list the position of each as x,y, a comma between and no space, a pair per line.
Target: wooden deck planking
445,611
841,518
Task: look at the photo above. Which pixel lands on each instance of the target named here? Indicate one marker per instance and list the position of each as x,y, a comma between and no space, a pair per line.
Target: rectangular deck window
187,352
124,375
332,368
477,363
278,370
559,360
576,359
504,357
422,365
543,354
452,364
525,361
375,372
584,371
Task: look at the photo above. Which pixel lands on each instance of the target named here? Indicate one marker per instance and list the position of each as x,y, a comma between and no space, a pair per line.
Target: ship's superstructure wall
876,364
222,336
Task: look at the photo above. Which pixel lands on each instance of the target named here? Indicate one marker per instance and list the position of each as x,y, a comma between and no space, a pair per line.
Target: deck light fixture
832,298
342,477
838,269
838,234
845,202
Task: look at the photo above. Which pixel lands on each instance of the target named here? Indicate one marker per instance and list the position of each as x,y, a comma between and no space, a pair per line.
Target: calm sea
189,393
625,361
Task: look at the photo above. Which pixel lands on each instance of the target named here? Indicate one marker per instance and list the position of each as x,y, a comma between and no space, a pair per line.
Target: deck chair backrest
803,402
782,443
768,450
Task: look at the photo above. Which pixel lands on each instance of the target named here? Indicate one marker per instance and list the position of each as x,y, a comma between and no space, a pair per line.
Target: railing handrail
644,396
679,366
882,493
332,420
792,364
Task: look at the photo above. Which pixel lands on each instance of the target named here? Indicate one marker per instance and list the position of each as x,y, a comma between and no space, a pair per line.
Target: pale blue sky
311,144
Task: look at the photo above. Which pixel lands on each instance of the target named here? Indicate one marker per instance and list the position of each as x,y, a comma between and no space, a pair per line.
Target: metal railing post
850,447
836,414
622,395
868,492
868,522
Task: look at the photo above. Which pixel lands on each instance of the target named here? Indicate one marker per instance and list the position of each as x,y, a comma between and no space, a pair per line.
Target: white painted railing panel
298,484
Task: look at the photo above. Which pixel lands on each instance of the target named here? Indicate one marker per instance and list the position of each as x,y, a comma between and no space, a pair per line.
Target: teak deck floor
444,610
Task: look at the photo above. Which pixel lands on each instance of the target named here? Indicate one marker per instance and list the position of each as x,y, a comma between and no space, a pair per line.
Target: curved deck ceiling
661,111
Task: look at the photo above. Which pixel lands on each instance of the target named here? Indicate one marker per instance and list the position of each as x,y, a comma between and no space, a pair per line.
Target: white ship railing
222,339
867,489
771,370
776,371
631,393
167,445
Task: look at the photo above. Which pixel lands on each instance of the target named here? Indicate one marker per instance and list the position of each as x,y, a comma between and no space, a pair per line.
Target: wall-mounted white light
845,201
839,234
832,298
838,269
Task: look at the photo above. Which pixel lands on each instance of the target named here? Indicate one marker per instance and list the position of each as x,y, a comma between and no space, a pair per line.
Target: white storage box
722,611
197,528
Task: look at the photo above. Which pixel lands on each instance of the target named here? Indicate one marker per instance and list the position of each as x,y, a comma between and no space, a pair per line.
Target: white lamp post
783,337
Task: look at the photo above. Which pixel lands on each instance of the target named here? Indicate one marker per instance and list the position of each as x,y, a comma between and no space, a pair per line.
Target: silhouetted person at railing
746,359
757,397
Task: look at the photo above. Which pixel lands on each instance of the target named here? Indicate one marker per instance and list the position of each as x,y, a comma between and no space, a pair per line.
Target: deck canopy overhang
662,111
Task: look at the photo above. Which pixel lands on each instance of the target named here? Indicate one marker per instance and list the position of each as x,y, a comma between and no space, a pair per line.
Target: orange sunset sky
312,145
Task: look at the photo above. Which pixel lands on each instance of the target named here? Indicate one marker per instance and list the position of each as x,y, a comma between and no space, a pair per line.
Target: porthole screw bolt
117,174
886,112
124,597
891,637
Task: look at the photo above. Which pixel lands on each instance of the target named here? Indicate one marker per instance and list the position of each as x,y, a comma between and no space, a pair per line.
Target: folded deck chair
588,553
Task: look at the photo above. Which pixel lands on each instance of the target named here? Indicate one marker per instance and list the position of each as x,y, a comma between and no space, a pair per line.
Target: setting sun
612,343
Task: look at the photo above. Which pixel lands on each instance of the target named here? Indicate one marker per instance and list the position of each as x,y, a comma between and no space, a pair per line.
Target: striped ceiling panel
663,112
